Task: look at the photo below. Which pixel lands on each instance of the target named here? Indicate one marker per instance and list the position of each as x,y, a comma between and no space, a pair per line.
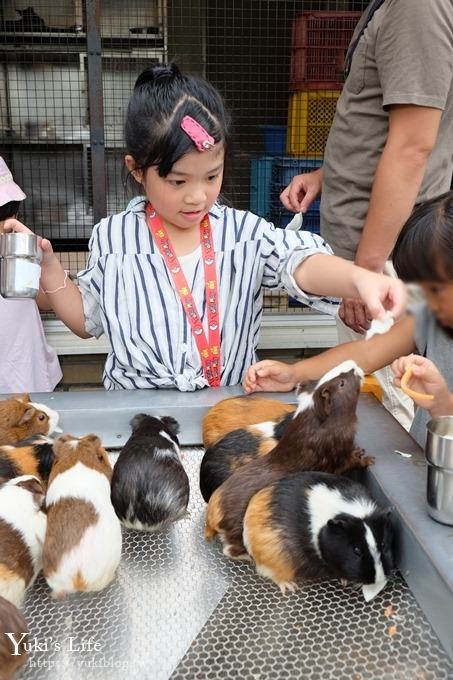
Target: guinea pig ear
337,524
171,424
323,402
136,420
93,439
25,398
60,442
27,415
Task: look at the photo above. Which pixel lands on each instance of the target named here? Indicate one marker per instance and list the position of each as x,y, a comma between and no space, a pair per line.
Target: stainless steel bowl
20,270
439,456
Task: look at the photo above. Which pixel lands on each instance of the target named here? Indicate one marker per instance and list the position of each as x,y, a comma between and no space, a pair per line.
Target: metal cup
439,456
20,269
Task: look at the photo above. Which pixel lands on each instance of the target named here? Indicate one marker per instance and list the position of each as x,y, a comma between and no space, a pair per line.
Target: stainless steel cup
20,268
439,456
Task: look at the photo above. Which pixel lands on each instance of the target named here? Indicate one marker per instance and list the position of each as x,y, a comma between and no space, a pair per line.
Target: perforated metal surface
179,609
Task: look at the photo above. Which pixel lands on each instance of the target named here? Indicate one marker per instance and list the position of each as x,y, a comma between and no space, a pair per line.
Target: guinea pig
32,456
320,437
238,412
82,548
22,531
20,418
317,524
238,448
150,487
13,636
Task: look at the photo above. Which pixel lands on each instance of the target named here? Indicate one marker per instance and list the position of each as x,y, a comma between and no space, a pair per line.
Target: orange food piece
412,393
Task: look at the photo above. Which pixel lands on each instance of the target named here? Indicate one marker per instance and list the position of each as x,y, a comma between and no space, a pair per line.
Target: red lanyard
209,349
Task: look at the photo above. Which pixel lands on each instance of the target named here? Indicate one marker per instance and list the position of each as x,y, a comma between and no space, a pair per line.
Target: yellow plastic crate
310,115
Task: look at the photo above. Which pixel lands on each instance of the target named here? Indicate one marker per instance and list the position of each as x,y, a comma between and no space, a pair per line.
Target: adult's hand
302,191
354,314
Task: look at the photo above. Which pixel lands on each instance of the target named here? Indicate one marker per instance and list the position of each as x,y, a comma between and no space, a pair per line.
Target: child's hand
425,379
45,245
380,293
269,376
302,191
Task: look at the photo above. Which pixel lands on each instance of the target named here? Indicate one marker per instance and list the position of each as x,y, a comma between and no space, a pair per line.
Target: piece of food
412,393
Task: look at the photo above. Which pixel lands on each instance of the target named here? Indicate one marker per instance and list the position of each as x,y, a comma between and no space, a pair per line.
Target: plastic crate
284,169
310,116
319,44
261,185
274,137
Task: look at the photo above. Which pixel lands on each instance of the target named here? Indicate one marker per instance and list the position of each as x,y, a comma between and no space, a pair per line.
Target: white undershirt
188,263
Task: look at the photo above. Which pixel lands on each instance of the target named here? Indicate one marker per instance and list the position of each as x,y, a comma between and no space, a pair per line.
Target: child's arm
60,293
328,275
370,355
425,379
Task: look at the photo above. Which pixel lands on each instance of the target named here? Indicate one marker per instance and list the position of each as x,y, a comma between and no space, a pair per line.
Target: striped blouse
128,295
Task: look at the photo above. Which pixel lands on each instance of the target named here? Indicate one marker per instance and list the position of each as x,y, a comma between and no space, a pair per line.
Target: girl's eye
176,182
211,178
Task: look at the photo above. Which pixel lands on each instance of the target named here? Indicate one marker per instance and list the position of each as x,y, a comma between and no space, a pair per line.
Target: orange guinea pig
20,418
239,412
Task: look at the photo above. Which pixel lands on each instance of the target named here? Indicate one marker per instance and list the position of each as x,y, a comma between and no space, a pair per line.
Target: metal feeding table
178,608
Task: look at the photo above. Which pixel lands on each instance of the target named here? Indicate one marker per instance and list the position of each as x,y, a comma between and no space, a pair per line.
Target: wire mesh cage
67,71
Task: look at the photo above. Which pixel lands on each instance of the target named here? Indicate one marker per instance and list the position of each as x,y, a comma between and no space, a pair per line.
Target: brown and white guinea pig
317,524
20,418
82,548
150,487
239,412
238,448
320,437
22,531
13,653
32,456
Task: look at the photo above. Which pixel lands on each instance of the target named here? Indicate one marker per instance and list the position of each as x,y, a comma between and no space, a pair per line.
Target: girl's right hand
302,191
45,245
270,376
426,379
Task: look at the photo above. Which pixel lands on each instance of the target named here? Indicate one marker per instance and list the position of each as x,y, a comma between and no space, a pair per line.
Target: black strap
372,8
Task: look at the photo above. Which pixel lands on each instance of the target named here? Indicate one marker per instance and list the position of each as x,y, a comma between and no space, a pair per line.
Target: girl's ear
131,165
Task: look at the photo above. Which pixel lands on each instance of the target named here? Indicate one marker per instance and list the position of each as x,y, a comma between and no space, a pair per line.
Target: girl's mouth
192,214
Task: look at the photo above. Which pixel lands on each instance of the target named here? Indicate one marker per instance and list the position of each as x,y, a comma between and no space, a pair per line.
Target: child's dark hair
9,210
161,98
424,249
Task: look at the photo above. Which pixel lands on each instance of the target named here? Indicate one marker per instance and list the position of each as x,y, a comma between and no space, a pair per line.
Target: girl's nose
196,196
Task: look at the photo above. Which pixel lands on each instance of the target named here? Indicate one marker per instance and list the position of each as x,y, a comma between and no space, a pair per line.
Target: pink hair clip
202,140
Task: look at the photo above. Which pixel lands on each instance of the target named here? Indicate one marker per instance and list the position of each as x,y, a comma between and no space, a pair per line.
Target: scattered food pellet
391,631
389,611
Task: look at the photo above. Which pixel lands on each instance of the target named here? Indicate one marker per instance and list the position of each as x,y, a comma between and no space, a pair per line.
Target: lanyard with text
209,348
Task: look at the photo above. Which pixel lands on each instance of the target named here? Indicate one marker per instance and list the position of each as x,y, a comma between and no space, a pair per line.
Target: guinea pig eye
357,551
41,417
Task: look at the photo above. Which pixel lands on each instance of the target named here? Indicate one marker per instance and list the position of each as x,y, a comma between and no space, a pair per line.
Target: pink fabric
202,140
9,190
27,362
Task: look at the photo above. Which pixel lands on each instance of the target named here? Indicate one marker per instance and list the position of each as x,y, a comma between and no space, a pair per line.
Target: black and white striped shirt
129,295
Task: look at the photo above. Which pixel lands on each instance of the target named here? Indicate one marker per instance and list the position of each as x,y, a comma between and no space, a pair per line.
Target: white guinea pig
22,531
82,548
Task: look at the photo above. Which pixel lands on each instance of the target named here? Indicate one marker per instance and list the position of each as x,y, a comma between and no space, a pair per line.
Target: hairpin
202,140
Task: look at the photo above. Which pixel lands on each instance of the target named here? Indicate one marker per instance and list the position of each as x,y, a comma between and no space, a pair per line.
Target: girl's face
439,296
189,191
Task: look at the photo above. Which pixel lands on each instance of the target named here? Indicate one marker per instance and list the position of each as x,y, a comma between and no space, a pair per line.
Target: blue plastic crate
274,137
261,185
286,167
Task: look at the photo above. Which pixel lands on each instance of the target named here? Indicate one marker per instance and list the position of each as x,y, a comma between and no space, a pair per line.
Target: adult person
390,146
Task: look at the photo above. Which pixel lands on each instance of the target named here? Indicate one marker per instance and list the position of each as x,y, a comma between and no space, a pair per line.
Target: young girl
423,253
176,281
27,363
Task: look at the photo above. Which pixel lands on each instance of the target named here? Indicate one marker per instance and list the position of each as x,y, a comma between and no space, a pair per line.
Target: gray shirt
433,343
405,56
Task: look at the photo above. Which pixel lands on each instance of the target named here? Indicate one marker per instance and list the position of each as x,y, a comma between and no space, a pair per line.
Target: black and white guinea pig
319,524
150,487
33,456
13,652
238,448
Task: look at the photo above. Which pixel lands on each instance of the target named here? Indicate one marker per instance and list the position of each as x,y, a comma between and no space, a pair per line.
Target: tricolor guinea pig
22,531
320,437
239,412
315,524
13,636
20,418
238,448
32,456
82,548
150,487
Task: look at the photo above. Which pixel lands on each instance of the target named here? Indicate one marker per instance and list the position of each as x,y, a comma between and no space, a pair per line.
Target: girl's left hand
426,379
380,293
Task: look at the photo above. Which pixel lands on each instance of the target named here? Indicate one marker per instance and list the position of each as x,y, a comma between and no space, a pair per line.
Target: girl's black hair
162,96
8,210
424,249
